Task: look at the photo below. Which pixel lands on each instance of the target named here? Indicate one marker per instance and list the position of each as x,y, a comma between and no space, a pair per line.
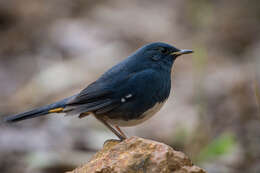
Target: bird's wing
103,96
97,97
92,93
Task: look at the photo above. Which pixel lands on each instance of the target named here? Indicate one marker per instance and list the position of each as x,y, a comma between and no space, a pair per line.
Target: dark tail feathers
38,112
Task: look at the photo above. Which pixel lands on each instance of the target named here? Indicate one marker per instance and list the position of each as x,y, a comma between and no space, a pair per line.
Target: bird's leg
121,132
119,135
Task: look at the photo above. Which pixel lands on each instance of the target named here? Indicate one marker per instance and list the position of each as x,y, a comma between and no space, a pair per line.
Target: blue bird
126,95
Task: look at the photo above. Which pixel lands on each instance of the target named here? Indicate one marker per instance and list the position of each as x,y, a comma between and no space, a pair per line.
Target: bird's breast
145,116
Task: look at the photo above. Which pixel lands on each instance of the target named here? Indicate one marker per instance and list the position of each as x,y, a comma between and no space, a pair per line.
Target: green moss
220,146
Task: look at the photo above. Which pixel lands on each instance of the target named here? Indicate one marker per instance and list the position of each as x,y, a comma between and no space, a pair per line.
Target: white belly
146,115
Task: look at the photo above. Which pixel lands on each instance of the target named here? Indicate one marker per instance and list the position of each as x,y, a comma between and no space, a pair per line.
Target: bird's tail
56,107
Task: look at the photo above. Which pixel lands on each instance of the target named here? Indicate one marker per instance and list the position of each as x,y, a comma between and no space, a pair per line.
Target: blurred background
52,49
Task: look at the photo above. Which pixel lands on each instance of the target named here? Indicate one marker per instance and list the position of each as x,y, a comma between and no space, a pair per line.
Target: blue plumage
127,94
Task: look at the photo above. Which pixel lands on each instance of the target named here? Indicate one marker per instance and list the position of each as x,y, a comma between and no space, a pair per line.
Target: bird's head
161,52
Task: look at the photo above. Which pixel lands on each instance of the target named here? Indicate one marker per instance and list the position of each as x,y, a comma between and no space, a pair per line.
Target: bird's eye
164,50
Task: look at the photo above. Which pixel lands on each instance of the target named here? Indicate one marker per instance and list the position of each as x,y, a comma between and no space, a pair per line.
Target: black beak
183,51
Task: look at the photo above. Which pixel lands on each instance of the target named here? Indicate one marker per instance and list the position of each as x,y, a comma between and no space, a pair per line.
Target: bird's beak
183,51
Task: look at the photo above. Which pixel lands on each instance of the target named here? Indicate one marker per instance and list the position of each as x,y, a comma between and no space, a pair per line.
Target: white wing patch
128,96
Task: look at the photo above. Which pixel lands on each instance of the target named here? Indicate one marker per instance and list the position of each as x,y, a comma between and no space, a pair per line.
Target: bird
128,94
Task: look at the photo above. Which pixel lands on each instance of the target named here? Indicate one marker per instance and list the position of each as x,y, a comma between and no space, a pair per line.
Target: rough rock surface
138,155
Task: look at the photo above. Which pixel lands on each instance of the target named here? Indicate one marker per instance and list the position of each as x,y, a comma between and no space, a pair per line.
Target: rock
138,155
